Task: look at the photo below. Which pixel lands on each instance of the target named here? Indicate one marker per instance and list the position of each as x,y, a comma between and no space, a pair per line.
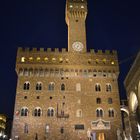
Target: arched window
97,87
37,112
98,100
111,112
99,112
50,112
108,87
51,86
39,86
26,86
24,111
79,113
62,87
78,87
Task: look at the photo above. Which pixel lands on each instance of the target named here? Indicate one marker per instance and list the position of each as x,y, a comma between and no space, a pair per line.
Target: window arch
111,112
99,112
24,111
108,87
26,86
63,87
98,87
39,86
79,113
51,86
78,87
50,112
37,112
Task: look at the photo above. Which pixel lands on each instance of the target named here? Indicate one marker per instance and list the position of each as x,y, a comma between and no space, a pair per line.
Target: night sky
111,24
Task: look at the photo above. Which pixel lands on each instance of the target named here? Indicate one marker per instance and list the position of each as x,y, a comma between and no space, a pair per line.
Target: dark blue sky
110,24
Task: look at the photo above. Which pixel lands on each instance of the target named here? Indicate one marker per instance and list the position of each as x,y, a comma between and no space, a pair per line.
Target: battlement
64,50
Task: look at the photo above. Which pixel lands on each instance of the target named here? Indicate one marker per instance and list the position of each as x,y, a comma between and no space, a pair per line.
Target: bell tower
76,12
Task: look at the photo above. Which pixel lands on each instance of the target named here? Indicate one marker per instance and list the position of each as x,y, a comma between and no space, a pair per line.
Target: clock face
77,46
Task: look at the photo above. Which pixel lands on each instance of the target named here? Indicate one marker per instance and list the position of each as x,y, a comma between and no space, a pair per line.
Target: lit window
46,59
53,59
30,58
82,6
97,61
104,60
71,6
23,59
38,58
60,60
112,62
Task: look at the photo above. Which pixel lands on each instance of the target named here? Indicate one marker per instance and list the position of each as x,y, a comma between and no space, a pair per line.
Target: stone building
132,85
67,94
2,125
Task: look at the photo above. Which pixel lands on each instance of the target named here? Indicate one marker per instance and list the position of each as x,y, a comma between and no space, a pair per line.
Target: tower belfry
76,12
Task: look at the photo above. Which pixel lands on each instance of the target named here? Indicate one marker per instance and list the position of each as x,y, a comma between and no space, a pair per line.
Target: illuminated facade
2,124
132,85
69,95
